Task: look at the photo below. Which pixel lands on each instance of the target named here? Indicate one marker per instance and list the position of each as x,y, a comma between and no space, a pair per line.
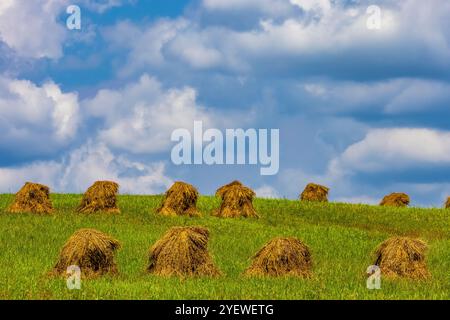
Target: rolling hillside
342,238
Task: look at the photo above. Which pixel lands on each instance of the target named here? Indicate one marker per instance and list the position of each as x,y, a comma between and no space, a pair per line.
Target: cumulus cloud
294,180
37,118
417,95
385,160
264,6
4,5
104,5
386,98
267,191
96,162
144,44
32,28
191,49
329,39
268,8
11,179
322,5
83,166
358,200
140,117
393,149
309,67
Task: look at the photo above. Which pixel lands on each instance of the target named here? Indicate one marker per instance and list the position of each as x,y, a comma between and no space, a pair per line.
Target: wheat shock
236,146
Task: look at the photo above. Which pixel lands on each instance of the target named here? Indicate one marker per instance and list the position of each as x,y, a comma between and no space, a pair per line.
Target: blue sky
361,110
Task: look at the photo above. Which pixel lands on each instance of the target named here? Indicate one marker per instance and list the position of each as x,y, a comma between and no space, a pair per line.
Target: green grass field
342,238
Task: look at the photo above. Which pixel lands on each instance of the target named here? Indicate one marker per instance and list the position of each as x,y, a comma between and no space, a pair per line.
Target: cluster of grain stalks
33,197
180,200
101,196
315,192
395,200
183,251
282,257
237,201
402,257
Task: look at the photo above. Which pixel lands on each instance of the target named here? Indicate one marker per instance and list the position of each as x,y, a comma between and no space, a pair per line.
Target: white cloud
405,96
101,6
391,149
145,44
65,113
36,117
141,117
148,127
11,179
82,167
298,38
327,37
315,89
265,6
31,29
358,200
323,5
267,191
419,95
295,180
380,154
191,49
5,4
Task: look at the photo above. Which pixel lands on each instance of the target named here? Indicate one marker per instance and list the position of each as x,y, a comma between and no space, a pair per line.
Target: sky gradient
363,111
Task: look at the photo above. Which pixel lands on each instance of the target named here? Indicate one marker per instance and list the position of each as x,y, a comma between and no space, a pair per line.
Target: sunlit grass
341,237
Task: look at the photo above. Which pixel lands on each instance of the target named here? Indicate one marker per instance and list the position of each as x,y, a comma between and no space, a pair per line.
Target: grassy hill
342,238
